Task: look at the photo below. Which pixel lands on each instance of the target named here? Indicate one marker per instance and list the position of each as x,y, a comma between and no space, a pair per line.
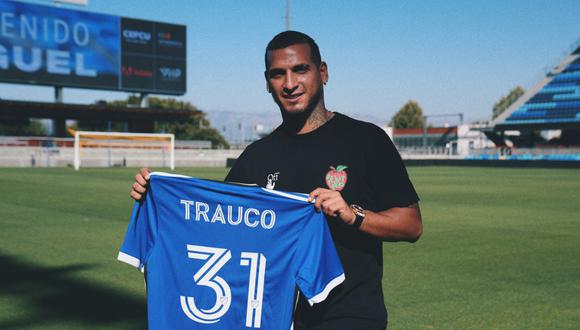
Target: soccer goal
109,149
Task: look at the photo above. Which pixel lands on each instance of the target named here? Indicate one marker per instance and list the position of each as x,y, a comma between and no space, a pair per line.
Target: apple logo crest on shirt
336,178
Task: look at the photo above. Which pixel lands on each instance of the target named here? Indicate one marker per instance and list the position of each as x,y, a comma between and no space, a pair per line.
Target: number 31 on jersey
207,276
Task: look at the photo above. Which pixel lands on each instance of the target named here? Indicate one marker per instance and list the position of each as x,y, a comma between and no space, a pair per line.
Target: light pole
287,17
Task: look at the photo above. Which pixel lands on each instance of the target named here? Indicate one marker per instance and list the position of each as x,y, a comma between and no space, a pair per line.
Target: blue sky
450,56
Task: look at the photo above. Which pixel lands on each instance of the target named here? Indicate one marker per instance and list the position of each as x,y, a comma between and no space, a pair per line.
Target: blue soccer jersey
224,256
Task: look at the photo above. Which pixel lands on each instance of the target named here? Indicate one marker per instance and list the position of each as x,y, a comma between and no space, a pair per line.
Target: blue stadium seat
557,102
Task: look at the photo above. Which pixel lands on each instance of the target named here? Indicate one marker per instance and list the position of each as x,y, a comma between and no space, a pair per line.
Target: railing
18,151
28,141
50,142
438,150
526,151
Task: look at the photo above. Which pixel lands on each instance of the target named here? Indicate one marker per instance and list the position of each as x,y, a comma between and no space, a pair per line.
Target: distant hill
244,127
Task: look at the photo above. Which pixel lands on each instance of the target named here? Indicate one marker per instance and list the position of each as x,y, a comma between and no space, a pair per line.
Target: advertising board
62,47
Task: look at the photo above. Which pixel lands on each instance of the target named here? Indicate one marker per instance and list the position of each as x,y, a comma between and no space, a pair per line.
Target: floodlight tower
287,17
58,97
59,125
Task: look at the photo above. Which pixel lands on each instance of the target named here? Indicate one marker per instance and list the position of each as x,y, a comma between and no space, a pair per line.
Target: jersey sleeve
140,235
319,267
388,176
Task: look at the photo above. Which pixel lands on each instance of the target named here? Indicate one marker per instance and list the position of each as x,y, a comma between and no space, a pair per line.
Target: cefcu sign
62,47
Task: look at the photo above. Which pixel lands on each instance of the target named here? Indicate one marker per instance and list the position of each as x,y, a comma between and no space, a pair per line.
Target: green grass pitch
500,250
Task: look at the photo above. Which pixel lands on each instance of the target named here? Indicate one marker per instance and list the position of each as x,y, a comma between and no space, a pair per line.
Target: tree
409,116
196,127
22,127
506,101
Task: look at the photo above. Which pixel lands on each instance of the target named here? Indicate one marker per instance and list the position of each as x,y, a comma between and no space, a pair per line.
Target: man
352,171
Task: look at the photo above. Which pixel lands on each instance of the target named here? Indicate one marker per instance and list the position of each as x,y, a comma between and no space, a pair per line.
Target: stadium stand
558,101
552,105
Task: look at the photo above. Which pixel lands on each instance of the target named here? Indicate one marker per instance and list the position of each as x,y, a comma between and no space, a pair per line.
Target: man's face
294,80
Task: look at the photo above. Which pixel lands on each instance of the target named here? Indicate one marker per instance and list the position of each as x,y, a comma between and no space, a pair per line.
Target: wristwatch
360,215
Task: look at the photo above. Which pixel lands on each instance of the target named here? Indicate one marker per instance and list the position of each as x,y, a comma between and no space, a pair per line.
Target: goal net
108,149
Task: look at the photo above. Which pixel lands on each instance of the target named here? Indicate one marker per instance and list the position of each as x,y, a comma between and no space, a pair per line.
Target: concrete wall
62,157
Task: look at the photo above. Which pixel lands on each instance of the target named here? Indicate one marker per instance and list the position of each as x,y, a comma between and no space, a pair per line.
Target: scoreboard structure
61,47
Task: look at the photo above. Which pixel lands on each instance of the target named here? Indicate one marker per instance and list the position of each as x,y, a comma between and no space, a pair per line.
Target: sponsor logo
129,71
164,35
336,178
165,39
271,180
170,73
135,36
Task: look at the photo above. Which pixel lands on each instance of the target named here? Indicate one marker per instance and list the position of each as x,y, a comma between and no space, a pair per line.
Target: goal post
145,147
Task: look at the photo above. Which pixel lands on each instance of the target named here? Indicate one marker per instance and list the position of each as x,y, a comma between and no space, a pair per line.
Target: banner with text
63,47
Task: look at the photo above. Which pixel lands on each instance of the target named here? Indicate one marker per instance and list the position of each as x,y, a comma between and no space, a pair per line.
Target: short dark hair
289,38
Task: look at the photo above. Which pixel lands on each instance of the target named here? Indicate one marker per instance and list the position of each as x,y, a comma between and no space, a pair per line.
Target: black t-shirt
359,160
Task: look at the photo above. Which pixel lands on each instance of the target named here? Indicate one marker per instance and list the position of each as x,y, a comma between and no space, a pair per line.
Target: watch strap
359,212
358,221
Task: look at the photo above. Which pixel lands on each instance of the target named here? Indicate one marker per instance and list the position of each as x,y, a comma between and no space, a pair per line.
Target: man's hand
393,225
332,204
139,187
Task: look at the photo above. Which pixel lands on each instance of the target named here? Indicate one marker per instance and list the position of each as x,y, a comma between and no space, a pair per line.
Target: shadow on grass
53,296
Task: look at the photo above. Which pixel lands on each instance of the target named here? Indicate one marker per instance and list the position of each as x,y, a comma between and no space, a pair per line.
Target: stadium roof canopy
25,110
553,103
138,119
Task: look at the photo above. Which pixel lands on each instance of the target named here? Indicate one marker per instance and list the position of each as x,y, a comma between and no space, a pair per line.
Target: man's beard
293,122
